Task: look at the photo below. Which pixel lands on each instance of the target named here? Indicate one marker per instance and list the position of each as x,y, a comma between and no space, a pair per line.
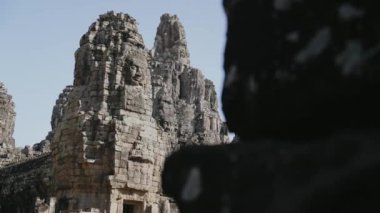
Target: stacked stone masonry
26,187
7,121
128,108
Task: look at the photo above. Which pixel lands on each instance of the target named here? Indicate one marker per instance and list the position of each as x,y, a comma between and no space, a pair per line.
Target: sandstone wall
26,186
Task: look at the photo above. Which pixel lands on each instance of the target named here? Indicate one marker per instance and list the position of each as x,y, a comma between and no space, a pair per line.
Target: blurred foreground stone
301,86
339,174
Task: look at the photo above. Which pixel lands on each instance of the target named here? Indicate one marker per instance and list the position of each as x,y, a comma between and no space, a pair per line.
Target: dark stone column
301,69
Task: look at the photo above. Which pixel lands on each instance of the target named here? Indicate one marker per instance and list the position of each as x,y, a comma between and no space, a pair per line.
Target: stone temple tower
7,119
127,110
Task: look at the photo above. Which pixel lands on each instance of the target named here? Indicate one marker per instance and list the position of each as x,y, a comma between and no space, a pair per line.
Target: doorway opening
128,208
132,207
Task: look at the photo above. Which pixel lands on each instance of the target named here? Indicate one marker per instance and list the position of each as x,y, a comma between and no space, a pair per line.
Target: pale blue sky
38,39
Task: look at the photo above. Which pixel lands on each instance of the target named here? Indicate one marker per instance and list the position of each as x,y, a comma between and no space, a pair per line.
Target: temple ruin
128,108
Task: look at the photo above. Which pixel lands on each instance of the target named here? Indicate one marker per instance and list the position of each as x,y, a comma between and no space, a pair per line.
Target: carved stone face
135,71
134,74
